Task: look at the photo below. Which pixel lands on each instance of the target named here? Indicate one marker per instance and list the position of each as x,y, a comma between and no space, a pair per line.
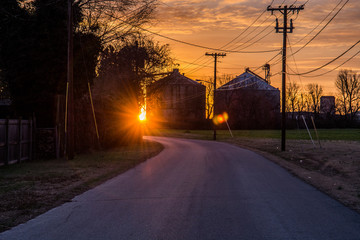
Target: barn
176,101
250,101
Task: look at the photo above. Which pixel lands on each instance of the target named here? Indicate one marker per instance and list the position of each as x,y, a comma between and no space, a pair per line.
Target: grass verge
302,134
32,188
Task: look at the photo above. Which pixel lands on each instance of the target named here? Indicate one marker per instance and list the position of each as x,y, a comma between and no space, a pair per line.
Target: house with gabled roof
176,101
250,101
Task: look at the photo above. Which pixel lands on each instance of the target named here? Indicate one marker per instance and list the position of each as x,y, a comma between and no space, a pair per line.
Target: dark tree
315,92
348,85
33,55
120,87
292,92
115,20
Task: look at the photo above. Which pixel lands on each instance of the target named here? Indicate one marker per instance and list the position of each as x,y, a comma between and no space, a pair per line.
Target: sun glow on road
142,115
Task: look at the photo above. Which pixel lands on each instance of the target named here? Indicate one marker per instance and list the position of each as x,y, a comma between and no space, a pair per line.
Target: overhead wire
317,34
333,69
194,70
261,38
326,64
234,39
197,45
297,70
319,23
235,47
243,32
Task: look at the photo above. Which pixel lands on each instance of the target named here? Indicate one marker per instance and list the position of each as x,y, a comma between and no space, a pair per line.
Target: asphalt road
198,190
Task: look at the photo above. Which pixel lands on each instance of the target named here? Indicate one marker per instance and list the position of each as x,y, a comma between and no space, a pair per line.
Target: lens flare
142,115
220,118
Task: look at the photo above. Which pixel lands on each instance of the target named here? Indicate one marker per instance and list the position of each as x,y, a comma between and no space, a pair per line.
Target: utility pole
215,55
285,10
69,127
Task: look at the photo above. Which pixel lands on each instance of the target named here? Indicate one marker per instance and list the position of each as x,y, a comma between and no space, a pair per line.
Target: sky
245,25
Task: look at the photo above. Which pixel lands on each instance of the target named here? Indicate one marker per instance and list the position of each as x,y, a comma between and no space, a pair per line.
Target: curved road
198,190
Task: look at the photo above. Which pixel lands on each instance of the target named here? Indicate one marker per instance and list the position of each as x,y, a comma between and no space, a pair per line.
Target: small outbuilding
250,102
176,101
327,105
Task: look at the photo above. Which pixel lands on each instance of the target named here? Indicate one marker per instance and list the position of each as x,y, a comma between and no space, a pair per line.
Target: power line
196,69
333,60
194,64
235,37
319,23
297,70
322,74
250,34
243,32
193,44
261,38
317,34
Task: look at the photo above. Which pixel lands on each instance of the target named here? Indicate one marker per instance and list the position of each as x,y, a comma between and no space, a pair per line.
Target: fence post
7,142
30,139
19,139
34,138
57,146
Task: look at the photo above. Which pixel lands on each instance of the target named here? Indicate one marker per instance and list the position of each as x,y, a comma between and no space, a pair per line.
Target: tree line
108,51
347,103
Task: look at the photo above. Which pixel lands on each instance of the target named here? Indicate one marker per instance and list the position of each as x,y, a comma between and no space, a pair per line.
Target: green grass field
302,134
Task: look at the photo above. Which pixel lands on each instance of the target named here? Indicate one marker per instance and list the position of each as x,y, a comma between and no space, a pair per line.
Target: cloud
217,22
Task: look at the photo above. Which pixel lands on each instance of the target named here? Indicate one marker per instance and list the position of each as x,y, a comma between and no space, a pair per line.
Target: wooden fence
16,142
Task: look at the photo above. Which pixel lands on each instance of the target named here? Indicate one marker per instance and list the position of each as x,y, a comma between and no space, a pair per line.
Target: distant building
250,102
176,101
327,105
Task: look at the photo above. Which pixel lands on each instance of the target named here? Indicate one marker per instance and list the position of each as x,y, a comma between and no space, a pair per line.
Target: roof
248,80
175,78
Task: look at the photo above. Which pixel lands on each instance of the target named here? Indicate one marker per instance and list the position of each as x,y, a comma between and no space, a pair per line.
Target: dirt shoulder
334,168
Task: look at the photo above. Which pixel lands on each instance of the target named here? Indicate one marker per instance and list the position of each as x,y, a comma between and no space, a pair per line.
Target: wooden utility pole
215,55
69,127
285,10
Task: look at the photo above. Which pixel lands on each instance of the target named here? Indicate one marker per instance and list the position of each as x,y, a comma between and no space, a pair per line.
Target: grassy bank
31,188
302,134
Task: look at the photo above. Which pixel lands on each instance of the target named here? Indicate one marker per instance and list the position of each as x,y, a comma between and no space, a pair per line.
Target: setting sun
142,115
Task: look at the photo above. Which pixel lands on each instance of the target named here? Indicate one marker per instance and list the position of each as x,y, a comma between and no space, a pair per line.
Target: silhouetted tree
120,87
33,54
33,45
209,104
115,20
301,103
348,85
292,92
314,92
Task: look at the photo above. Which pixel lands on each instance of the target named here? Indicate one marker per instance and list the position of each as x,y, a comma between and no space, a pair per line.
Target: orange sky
214,23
